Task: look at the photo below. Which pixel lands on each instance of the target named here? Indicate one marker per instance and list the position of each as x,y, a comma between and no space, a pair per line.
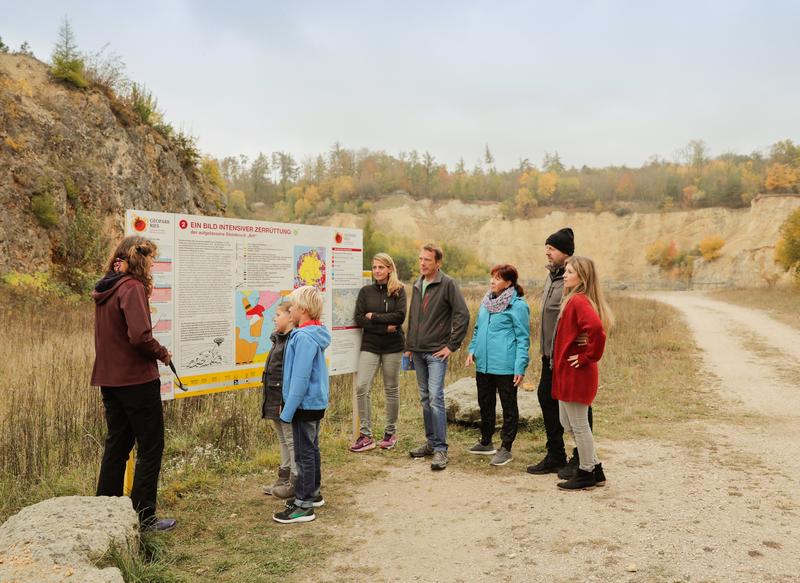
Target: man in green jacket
437,324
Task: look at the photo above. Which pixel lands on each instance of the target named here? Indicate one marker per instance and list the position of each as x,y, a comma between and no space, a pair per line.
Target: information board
217,282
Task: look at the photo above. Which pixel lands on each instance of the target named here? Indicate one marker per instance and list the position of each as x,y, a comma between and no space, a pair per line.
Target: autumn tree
787,251
781,178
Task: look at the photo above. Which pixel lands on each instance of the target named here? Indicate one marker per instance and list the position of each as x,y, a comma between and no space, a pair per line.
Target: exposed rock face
62,539
461,403
617,244
80,147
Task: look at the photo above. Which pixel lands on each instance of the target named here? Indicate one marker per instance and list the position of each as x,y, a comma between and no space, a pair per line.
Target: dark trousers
549,405
489,385
306,456
134,414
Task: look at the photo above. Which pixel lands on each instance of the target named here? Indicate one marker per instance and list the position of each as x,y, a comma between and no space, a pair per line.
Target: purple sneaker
363,443
388,441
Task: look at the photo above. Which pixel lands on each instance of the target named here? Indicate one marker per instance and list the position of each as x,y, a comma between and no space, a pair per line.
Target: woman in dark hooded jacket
126,370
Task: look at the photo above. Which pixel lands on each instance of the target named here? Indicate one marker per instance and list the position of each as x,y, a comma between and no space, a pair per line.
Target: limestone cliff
618,244
63,148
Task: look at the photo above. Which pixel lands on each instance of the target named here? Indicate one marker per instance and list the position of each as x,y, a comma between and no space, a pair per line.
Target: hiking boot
294,513
283,478
501,458
286,489
582,480
162,525
480,449
547,466
569,470
599,476
439,460
363,443
424,450
388,441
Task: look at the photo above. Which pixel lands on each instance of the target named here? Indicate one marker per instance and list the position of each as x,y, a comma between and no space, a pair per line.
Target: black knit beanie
563,240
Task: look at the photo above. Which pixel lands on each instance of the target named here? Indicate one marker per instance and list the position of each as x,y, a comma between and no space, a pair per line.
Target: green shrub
787,251
82,252
145,105
44,208
70,71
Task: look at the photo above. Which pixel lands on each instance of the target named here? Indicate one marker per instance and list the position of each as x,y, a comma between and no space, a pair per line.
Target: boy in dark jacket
273,399
305,397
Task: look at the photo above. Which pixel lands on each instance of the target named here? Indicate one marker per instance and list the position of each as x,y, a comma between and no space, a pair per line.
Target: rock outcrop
62,540
461,403
65,148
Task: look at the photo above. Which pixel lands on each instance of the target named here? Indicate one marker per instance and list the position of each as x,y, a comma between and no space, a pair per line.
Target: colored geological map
254,313
310,265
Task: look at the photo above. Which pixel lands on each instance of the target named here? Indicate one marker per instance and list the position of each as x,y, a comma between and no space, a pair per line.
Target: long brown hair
393,284
134,250
589,285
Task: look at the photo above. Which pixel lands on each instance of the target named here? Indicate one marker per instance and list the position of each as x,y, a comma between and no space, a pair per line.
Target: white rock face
461,404
61,539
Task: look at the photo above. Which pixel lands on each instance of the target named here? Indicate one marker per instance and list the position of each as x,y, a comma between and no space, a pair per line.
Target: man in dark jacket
558,247
437,324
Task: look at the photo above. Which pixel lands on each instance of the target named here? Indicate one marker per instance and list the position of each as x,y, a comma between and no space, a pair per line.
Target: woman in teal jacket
499,349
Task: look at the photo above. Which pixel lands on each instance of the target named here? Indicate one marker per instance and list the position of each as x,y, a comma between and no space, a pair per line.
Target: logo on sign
139,224
183,224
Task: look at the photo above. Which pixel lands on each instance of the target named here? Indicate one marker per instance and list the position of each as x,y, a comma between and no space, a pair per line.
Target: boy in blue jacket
305,397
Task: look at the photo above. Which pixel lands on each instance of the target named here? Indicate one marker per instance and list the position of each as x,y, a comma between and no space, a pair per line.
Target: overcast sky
599,82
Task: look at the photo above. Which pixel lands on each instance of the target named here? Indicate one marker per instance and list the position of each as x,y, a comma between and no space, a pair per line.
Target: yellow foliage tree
787,251
210,168
524,203
547,185
343,188
781,178
711,247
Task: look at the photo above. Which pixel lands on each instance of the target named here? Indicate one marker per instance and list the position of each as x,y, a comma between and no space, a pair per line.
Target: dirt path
723,507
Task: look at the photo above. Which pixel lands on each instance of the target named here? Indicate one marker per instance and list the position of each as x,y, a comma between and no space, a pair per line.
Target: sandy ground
722,507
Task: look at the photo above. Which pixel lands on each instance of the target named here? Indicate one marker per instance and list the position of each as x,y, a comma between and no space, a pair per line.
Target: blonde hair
309,299
135,250
283,306
589,285
393,284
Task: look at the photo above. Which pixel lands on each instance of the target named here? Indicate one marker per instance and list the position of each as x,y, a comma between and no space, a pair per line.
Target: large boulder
461,402
62,539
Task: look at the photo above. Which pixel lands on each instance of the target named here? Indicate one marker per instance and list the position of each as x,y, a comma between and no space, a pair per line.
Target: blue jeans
430,379
306,454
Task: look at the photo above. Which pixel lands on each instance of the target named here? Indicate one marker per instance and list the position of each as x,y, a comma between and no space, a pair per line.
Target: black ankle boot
581,481
568,471
599,476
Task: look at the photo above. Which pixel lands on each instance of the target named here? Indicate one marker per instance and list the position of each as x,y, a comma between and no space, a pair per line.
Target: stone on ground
62,539
461,403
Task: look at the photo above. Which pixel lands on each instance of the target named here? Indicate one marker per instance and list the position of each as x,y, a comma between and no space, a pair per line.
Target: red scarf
311,323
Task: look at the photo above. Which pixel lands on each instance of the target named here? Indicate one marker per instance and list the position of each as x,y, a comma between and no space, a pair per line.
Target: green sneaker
294,513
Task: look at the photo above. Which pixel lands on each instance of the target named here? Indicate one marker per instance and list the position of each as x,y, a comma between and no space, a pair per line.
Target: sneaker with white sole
501,458
292,513
388,441
480,449
363,443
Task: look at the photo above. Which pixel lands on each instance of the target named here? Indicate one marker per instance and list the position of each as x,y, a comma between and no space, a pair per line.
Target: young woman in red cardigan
583,311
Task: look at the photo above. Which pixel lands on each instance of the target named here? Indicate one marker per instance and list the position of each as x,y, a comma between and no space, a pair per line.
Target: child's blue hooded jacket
305,374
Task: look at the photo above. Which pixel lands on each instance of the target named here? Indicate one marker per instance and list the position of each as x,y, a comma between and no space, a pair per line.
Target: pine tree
68,63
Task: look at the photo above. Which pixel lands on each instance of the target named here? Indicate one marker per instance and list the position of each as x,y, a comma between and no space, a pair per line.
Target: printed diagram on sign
202,356
344,308
254,313
311,267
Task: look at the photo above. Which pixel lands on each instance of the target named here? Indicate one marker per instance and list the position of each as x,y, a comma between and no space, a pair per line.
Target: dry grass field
781,303
219,450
